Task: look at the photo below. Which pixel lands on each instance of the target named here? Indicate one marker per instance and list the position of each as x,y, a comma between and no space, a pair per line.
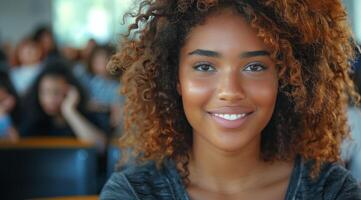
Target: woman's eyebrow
202,52
246,54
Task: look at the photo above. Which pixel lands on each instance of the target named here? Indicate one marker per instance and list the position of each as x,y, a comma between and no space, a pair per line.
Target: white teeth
230,116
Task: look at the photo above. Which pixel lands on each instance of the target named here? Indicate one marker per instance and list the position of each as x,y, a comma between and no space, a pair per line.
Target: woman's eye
255,67
204,68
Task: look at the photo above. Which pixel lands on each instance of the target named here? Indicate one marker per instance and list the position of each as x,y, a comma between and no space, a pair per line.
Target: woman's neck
216,170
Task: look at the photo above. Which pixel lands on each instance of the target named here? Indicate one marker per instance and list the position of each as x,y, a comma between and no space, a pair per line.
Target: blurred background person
9,109
43,35
26,64
56,106
87,50
71,54
103,87
6,54
4,65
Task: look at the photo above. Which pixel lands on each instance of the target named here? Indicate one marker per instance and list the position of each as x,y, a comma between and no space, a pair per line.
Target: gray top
146,182
351,147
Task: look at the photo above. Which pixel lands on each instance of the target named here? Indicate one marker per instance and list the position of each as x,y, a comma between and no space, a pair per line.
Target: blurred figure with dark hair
9,109
6,55
27,65
56,106
87,50
102,86
3,61
80,68
71,54
43,35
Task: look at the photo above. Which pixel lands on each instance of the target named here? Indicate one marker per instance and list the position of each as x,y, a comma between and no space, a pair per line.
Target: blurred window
354,11
75,22
357,18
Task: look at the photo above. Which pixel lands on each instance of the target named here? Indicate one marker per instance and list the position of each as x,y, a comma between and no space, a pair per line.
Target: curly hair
310,42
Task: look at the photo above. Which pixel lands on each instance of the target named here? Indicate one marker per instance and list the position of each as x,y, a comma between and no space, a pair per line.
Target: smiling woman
226,100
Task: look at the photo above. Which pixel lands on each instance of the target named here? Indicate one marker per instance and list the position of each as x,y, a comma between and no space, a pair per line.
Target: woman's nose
230,87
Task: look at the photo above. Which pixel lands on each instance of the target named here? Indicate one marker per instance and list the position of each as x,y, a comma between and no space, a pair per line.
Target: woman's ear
179,89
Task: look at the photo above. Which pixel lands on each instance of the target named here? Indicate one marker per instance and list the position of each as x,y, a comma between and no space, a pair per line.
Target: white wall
18,18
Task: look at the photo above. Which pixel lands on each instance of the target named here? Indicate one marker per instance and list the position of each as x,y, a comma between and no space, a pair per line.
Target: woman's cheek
263,92
197,91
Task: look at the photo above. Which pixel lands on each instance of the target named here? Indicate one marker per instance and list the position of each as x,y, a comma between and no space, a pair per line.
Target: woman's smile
230,117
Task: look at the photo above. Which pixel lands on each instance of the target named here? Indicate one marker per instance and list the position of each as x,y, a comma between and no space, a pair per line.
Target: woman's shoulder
145,181
333,182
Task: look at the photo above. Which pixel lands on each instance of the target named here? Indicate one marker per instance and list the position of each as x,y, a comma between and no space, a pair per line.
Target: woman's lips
230,120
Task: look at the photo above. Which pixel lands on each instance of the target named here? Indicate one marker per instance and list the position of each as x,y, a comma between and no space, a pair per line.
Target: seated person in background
71,54
55,106
3,61
9,109
102,86
87,50
44,37
27,65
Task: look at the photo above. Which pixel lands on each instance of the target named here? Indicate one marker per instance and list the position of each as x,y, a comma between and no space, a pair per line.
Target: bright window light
357,18
75,22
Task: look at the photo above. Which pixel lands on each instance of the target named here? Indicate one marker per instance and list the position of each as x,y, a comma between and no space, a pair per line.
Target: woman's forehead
224,31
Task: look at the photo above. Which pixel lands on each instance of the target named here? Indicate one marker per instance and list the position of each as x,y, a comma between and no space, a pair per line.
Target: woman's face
227,81
52,92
